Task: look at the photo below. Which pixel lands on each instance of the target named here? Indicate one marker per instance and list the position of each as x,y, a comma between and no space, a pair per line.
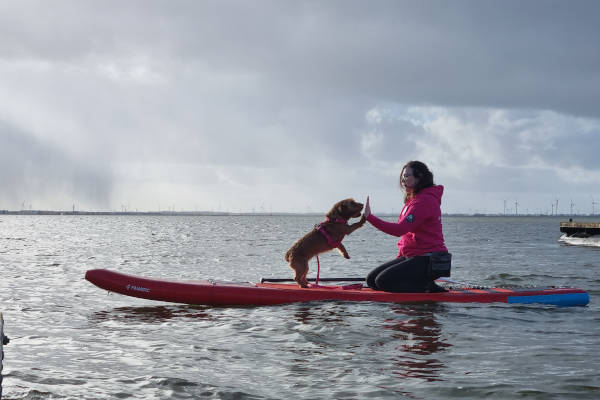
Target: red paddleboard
211,292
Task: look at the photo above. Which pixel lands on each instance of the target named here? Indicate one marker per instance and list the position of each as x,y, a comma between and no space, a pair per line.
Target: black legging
407,275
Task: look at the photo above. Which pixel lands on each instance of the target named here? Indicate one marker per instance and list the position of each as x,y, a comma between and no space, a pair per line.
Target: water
71,340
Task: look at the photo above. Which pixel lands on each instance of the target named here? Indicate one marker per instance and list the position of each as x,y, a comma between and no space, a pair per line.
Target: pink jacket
419,225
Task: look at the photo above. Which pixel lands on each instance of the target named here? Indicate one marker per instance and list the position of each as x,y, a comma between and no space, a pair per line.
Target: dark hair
422,173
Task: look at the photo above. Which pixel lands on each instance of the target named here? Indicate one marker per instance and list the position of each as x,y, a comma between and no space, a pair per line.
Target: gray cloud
34,171
510,54
488,150
205,94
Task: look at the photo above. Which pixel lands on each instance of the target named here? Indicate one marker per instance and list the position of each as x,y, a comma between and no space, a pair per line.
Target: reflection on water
414,335
151,314
420,336
334,313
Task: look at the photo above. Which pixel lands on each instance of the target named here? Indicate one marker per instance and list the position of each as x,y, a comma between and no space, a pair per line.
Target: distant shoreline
224,214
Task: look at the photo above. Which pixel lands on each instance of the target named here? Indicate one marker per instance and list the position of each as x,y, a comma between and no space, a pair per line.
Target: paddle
263,280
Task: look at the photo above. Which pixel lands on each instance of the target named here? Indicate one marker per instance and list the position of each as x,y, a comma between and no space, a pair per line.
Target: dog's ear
337,211
341,209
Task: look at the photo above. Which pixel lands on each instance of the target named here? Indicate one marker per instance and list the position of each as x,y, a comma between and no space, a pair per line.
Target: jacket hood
435,191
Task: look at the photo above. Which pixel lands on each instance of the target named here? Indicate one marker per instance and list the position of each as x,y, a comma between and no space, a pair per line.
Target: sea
72,340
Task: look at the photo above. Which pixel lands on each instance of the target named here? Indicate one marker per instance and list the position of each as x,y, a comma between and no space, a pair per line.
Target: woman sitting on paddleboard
423,256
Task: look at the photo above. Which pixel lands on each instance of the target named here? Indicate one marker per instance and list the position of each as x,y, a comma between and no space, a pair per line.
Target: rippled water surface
71,340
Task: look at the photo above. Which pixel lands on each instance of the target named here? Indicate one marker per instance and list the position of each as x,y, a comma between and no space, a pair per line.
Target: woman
423,256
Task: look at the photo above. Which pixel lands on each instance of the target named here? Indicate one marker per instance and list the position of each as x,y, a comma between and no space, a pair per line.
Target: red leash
318,270
356,286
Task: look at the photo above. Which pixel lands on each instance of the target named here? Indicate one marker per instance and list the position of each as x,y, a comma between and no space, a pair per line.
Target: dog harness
321,229
333,244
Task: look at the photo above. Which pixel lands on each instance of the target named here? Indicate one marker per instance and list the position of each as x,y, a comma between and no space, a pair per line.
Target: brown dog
326,236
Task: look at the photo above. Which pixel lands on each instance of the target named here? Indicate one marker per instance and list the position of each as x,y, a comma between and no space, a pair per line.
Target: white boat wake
593,241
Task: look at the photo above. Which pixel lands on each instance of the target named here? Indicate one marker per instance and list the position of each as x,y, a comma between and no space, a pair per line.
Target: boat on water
580,233
580,229
210,292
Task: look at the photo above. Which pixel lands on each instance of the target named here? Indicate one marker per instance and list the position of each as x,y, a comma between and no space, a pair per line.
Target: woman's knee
370,280
372,276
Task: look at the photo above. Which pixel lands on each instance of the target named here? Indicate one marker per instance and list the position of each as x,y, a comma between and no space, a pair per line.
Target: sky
290,106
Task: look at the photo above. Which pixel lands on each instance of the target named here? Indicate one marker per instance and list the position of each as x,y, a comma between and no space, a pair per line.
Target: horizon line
263,213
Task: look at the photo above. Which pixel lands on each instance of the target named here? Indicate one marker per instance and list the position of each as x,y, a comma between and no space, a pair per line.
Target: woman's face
408,179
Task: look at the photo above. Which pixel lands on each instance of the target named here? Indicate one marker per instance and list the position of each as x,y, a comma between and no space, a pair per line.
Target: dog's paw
347,256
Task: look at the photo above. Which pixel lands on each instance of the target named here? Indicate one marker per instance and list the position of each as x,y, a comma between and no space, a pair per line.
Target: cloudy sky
292,105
